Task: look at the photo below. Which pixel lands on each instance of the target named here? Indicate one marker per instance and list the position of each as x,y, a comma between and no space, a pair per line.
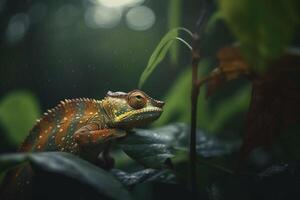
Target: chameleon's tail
17,184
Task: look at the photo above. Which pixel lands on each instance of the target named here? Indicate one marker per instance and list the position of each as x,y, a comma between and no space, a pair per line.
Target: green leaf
8,161
263,28
143,176
152,148
161,51
18,112
174,15
148,148
73,167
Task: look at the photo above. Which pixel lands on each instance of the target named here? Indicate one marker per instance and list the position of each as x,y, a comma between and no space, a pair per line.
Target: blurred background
53,50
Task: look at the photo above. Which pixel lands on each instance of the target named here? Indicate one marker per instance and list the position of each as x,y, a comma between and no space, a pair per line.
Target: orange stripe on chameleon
99,134
62,128
77,114
90,111
82,118
46,128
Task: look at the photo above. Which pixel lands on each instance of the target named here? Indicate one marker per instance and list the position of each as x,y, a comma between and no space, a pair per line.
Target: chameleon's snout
159,104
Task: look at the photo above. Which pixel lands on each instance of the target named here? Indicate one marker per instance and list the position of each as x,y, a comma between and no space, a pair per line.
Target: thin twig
194,99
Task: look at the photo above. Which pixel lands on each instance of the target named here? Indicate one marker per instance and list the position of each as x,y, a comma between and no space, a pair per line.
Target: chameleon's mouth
140,114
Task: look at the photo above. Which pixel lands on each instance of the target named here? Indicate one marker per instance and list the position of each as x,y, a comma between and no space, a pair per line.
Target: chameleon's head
132,109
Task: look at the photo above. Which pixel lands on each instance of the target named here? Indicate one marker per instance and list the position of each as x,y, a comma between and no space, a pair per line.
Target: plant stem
196,83
194,99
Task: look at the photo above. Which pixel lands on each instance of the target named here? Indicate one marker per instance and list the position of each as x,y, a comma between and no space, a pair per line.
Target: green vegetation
247,109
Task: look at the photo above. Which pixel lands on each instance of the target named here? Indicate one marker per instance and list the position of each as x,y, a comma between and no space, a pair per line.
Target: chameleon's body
85,127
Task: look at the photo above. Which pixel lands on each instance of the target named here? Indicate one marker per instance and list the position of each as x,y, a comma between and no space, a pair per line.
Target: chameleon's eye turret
137,100
132,109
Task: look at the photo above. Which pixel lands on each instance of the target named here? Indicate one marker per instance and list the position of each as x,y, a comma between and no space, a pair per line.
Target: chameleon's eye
137,101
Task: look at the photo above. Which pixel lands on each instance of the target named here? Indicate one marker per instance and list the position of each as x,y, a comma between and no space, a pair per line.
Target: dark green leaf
73,167
160,52
18,112
152,148
8,161
148,147
142,176
264,28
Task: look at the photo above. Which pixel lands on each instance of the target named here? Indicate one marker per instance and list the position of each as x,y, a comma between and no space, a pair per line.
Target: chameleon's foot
105,161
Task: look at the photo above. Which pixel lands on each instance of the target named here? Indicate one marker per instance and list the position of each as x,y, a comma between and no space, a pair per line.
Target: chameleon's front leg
90,136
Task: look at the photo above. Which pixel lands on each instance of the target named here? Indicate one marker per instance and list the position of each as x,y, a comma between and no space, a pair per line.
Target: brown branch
194,100
196,83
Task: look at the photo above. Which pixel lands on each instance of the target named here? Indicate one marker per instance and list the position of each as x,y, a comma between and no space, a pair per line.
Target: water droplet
63,138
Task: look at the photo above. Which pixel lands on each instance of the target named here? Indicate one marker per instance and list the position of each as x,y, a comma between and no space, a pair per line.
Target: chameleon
86,127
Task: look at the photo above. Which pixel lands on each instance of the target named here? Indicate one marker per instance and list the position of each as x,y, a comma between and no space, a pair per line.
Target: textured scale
83,127
54,131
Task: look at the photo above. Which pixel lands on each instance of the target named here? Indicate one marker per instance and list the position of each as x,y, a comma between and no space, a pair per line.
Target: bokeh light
120,3
17,28
140,18
102,17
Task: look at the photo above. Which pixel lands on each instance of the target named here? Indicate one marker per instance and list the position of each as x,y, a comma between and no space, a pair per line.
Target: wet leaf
143,176
18,112
161,51
8,161
74,168
263,28
148,148
153,148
